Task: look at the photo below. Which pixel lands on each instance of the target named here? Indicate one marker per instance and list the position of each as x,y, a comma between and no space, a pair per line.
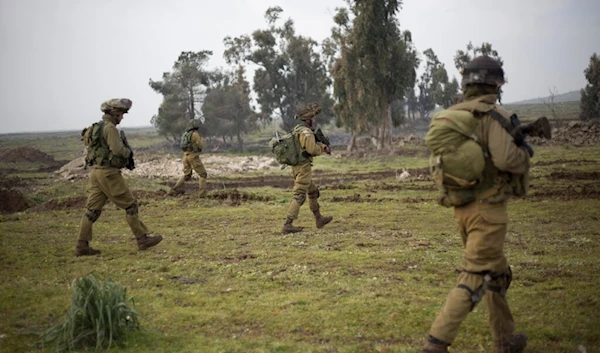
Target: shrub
99,316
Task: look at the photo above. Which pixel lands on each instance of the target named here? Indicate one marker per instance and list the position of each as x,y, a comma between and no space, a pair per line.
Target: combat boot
433,345
322,221
83,249
145,242
516,344
289,228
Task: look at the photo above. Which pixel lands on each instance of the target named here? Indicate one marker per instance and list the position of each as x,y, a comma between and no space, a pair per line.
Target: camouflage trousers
106,184
483,229
191,161
303,186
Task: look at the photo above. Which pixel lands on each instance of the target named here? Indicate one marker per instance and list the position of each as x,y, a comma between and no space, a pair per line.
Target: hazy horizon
62,58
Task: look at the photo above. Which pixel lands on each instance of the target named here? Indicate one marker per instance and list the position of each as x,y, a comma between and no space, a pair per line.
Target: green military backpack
458,160
92,139
286,148
186,141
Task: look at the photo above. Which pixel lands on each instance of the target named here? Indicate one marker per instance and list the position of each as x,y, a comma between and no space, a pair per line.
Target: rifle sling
506,124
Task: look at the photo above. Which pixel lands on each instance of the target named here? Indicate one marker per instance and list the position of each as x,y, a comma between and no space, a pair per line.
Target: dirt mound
74,169
28,154
13,201
576,133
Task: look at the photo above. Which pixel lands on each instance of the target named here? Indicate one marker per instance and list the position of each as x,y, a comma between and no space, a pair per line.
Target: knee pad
93,215
300,198
132,210
187,177
314,194
203,175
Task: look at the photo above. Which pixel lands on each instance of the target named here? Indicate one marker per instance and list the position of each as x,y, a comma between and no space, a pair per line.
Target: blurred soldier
483,219
302,173
191,144
108,154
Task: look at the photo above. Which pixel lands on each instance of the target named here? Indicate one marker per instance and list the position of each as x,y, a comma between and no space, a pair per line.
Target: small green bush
99,316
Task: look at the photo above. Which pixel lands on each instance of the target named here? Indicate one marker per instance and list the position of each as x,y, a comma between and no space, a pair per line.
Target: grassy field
226,280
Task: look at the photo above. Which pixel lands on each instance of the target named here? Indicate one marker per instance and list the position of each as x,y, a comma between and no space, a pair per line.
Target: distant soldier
481,210
191,144
302,173
108,153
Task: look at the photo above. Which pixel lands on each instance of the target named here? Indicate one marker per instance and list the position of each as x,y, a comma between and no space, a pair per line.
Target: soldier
483,221
108,156
302,172
191,143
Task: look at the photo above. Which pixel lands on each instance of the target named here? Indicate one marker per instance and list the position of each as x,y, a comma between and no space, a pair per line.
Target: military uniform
106,182
302,173
483,222
191,160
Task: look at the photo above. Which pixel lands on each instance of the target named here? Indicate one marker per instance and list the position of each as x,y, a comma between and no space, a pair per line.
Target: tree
373,65
226,108
183,92
290,71
462,58
590,94
434,86
549,102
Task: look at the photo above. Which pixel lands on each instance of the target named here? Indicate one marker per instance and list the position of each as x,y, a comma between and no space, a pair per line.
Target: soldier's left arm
309,144
197,140
506,155
115,144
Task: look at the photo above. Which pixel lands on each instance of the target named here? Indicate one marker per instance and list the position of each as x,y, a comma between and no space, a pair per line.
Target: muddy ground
221,187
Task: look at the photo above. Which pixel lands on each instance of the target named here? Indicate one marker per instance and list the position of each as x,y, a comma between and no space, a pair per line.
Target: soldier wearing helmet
302,173
483,221
108,154
191,144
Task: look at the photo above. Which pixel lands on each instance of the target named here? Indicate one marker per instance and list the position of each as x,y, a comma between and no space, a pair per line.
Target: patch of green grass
226,280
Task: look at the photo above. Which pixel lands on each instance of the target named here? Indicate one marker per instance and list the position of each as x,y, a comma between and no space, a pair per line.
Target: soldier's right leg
500,317
198,167
96,199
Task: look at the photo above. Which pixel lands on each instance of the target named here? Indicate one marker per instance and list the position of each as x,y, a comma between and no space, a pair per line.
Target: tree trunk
352,145
384,137
192,108
240,143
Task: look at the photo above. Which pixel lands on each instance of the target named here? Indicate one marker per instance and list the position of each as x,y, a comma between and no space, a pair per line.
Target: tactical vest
98,152
186,143
460,164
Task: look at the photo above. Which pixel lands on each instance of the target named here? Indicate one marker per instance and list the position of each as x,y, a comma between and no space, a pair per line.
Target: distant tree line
363,75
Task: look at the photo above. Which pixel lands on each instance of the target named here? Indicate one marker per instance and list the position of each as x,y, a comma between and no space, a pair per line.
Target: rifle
320,137
130,162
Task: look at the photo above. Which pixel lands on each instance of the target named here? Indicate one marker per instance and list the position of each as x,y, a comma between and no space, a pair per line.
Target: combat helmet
116,106
483,70
193,124
308,111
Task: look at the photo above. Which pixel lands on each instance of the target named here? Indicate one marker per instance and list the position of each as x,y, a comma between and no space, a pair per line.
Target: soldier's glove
527,148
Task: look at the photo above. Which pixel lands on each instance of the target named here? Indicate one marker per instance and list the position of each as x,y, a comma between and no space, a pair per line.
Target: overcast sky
60,59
